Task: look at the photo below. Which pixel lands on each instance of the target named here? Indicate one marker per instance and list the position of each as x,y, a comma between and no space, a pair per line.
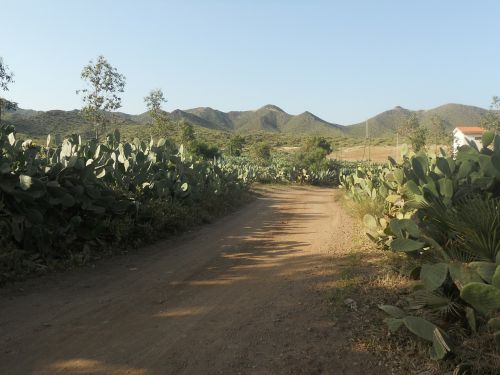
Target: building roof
471,129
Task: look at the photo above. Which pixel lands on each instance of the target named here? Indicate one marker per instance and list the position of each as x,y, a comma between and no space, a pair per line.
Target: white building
462,134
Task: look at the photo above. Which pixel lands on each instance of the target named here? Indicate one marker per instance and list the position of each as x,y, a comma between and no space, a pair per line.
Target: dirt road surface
243,295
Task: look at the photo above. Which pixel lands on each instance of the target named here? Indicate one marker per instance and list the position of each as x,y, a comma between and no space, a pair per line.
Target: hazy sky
342,60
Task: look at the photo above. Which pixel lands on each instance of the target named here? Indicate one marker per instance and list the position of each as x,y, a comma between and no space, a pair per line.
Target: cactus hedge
64,202
444,212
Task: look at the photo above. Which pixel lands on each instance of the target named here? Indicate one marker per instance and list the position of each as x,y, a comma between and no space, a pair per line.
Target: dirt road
244,295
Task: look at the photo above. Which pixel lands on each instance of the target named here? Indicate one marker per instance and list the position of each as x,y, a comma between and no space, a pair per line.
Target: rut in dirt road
239,296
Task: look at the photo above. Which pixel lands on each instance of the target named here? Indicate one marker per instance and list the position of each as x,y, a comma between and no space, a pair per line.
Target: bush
205,151
235,146
314,159
318,142
262,152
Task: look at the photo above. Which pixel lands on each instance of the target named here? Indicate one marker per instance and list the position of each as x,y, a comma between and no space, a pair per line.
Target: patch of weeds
354,258
358,209
344,287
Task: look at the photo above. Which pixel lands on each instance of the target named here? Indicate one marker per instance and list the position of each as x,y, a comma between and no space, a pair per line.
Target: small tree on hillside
6,78
491,121
101,95
162,125
154,102
188,137
438,130
417,134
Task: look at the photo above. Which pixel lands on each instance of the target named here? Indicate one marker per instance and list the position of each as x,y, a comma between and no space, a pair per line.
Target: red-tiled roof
471,129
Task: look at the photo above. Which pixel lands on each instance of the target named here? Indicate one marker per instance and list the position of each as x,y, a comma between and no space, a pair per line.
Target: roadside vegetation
439,215
67,203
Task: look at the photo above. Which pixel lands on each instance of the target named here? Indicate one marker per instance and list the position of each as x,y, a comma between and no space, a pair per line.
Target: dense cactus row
65,201
283,169
444,212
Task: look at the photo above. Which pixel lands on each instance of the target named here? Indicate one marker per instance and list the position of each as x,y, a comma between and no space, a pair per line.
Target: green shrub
262,152
206,151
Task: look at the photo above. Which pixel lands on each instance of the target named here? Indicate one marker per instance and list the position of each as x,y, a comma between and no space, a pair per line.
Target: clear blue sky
342,60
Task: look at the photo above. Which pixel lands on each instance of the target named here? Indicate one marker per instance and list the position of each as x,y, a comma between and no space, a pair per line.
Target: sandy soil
244,295
377,153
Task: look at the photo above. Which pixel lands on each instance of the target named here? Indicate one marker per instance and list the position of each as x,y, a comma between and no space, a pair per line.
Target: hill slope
213,116
455,114
269,118
386,122
307,122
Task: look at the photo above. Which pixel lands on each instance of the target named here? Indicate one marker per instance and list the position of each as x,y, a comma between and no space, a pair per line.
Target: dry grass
377,153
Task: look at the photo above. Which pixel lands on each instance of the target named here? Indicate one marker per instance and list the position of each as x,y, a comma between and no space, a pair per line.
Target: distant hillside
307,122
267,119
455,114
218,118
179,115
386,122
40,123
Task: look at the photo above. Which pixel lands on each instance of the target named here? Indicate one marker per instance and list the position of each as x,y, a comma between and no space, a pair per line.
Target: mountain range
268,118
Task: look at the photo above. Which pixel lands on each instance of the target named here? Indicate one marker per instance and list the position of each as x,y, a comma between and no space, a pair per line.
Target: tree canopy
104,83
6,78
